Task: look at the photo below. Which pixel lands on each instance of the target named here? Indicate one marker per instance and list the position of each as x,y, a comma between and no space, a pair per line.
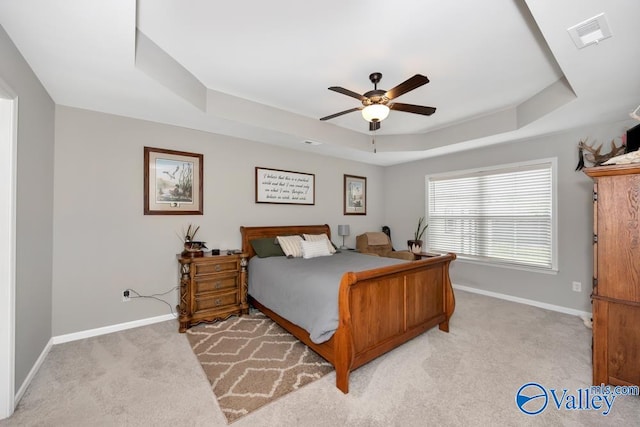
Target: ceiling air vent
591,31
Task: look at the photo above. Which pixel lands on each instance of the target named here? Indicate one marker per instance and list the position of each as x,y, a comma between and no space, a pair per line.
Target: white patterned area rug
251,361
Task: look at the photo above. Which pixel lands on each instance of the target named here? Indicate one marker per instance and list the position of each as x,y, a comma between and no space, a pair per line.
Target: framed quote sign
285,187
172,182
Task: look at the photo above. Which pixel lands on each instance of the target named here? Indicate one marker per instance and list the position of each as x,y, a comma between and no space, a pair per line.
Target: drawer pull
218,284
218,268
218,301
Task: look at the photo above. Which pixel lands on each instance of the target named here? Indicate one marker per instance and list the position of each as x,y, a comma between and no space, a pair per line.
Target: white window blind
502,215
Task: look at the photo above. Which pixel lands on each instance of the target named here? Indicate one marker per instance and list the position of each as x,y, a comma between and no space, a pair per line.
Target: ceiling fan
376,103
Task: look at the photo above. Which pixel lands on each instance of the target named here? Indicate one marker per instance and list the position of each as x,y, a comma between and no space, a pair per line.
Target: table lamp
343,230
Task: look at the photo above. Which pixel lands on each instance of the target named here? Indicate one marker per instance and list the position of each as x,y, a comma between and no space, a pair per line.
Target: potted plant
415,245
192,247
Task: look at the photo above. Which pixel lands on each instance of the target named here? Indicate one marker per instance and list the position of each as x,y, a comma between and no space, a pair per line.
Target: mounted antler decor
593,155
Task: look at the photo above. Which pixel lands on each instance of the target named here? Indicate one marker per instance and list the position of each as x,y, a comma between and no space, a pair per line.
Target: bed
378,309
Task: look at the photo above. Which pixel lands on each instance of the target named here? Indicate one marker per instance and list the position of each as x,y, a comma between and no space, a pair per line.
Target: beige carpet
251,361
149,376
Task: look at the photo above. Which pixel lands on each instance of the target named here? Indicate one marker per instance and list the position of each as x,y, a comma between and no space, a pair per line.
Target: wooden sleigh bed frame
378,309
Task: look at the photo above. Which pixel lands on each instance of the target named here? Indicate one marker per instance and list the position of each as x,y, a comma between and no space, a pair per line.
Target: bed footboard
383,308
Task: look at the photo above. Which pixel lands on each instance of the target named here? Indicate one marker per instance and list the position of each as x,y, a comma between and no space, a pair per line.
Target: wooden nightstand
212,287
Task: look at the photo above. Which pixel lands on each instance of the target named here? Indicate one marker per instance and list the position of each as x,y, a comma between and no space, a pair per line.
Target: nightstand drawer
215,301
213,283
224,264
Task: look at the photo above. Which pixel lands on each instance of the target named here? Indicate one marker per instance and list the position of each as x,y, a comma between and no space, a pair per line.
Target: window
503,214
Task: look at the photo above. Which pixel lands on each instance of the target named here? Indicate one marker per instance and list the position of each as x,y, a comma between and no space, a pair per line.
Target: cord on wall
135,294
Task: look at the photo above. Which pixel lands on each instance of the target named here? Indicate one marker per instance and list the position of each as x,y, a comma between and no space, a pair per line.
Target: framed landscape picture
172,182
355,195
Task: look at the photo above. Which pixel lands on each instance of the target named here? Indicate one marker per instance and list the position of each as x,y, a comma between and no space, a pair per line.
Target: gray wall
575,214
98,205
34,207
104,243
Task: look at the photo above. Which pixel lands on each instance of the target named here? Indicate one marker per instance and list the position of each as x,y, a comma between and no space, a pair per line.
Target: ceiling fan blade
347,92
341,113
373,126
408,85
409,108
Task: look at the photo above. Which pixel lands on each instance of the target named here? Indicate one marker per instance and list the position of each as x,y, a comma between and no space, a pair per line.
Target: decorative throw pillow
290,245
266,248
322,238
314,249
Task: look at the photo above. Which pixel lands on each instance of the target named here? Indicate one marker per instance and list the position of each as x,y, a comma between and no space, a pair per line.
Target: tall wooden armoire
616,274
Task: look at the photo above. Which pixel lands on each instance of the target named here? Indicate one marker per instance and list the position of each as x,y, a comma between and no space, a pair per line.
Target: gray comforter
305,291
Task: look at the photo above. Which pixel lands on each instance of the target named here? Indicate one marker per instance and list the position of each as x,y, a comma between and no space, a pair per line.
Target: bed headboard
250,233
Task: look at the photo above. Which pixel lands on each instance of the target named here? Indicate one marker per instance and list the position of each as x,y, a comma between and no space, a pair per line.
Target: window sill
509,266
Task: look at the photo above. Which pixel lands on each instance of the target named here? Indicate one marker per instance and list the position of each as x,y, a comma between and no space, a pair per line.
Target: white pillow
314,249
322,238
290,245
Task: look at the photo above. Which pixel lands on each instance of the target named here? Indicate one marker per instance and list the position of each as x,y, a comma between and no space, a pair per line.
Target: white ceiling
500,70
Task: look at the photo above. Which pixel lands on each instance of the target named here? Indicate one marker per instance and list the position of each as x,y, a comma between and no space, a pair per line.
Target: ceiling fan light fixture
375,112
375,103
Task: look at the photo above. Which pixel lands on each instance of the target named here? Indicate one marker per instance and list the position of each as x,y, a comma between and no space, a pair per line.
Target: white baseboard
110,329
32,373
581,314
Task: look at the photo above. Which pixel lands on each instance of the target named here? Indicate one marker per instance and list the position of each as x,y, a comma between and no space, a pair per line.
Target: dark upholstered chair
378,243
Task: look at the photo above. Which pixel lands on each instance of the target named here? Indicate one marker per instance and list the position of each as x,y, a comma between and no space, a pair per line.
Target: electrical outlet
576,286
126,296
